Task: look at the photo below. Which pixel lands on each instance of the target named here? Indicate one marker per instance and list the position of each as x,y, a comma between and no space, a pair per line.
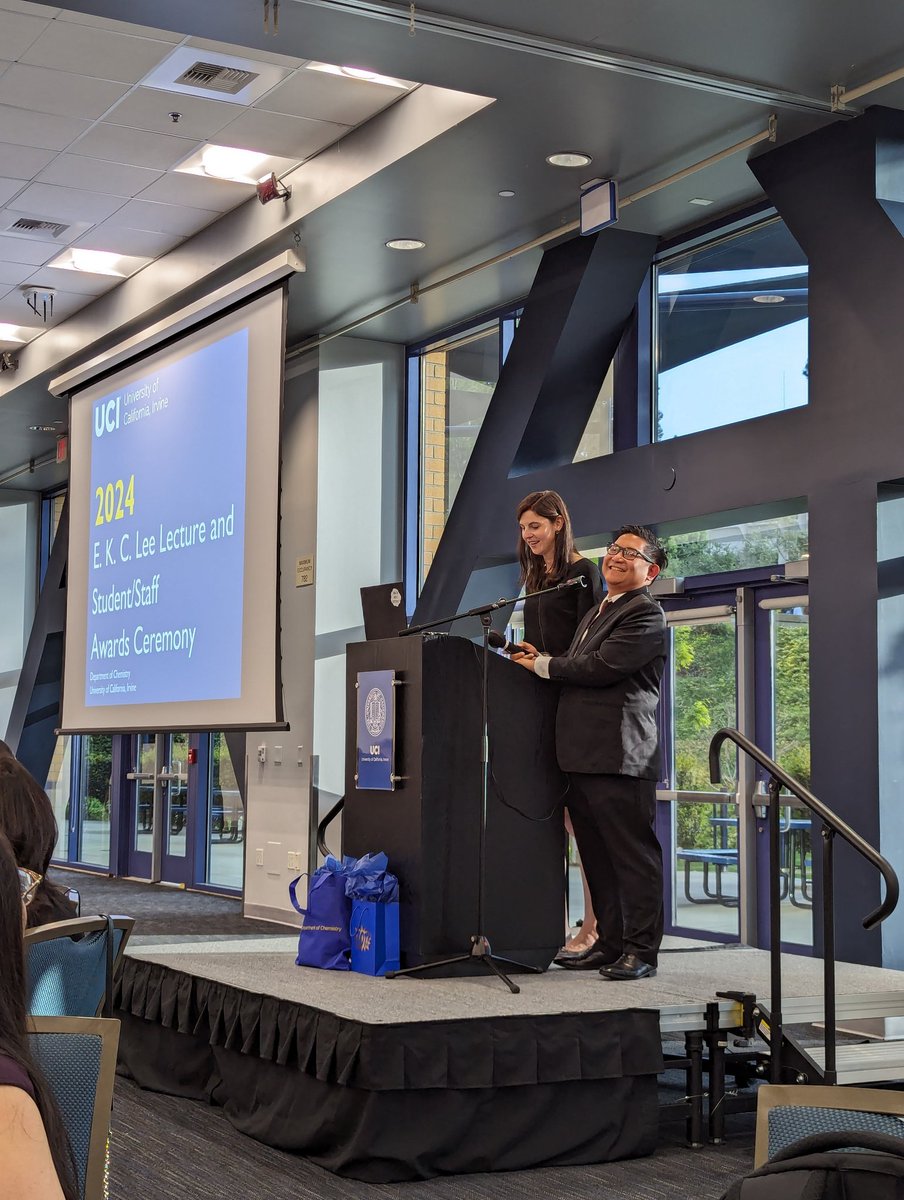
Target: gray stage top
266,966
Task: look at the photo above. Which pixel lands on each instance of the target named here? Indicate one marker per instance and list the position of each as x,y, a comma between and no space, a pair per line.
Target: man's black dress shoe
586,960
629,966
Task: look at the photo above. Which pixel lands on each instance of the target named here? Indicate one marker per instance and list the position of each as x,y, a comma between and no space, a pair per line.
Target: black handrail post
828,949
775,934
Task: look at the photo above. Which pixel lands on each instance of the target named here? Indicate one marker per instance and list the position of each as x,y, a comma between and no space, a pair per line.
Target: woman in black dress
547,555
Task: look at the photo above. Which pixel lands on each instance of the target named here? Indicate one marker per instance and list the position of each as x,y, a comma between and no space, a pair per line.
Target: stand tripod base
480,950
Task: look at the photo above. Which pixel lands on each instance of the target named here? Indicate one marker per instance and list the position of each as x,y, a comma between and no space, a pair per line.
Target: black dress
550,620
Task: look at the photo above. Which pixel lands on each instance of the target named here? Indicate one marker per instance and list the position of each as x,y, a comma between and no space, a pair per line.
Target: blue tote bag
324,938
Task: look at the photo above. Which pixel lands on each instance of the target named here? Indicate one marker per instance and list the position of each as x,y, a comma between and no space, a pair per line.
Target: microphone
580,581
498,642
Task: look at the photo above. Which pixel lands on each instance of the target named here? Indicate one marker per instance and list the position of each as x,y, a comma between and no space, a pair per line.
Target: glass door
158,809
698,824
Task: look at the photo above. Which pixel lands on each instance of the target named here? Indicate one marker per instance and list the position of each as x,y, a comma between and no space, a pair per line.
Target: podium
429,824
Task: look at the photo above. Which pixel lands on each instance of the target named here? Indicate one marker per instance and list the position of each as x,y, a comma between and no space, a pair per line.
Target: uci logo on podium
106,416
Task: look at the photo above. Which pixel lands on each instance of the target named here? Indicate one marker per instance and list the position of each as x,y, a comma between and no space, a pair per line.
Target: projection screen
172,595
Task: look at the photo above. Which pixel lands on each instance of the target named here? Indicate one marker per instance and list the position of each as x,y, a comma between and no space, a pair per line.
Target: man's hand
526,659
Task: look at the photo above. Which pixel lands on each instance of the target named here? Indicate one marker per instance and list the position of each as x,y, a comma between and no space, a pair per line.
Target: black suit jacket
606,720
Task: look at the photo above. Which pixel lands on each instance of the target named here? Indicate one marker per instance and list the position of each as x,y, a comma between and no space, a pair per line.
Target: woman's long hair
533,569
13,1030
27,820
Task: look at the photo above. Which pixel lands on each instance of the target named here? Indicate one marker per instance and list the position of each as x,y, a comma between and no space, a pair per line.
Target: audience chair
78,1058
71,965
785,1113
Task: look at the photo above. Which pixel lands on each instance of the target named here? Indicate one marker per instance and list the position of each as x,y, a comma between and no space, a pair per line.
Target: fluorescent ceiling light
569,158
405,244
228,162
702,201
360,73
98,262
16,333
234,164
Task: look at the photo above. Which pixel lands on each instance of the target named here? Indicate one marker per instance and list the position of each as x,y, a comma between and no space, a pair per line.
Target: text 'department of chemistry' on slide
167,532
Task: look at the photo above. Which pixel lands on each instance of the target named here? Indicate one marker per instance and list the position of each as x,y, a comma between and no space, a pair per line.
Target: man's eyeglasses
627,552
29,882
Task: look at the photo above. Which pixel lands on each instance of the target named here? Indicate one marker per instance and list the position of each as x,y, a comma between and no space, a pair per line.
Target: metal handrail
831,825
825,814
327,820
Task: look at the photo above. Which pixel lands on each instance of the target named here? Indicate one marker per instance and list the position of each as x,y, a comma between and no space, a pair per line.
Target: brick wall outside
434,488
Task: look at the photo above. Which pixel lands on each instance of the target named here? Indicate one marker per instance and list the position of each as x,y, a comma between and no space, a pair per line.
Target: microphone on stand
579,581
498,642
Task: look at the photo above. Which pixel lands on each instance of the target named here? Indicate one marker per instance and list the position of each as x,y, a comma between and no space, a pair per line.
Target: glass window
458,379
731,331
597,437
226,819
59,788
737,547
95,782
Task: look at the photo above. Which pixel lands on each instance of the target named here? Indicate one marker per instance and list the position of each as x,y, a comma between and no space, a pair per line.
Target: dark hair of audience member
27,820
13,1019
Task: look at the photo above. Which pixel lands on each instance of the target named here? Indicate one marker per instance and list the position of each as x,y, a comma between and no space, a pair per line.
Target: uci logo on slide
106,416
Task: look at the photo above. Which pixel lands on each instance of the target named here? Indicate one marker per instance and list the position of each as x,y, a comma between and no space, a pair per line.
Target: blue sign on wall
376,731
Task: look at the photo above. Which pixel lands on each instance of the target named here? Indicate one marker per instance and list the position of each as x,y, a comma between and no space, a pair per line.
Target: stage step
807,1010
871,1062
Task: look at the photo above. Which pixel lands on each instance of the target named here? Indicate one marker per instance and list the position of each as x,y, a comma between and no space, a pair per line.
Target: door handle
142,775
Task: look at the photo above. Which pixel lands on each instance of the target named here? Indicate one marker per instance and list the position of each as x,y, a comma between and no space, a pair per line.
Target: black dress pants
612,817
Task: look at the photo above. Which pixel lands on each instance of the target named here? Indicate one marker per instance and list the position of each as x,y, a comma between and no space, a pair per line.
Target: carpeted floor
162,910
163,1147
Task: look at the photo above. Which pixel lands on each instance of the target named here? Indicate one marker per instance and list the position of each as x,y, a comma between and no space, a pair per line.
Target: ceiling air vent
214,77
35,228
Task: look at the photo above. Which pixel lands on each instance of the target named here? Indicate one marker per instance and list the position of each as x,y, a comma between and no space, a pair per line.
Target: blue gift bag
375,937
324,939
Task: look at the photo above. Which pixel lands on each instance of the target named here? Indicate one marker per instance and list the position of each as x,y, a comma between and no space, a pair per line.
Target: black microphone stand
480,946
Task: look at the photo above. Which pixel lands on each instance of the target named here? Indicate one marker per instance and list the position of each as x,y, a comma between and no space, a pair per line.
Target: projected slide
166,531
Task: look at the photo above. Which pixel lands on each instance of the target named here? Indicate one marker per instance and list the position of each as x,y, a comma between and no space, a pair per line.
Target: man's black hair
655,548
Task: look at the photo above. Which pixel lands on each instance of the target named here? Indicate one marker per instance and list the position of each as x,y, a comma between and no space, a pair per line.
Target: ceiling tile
27,250
198,192
134,146
81,283
58,92
110,178
266,56
163,218
329,97
9,188
65,204
12,273
18,30
25,128
121,240
150,108
23,162
77,18
98,53
273,133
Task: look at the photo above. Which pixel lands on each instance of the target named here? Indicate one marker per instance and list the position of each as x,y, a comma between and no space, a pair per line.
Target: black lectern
429,825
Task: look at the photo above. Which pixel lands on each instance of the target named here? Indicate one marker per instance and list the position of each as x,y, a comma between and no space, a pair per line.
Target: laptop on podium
384,611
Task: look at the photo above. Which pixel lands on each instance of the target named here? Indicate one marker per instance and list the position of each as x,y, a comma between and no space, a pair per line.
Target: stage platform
399,1079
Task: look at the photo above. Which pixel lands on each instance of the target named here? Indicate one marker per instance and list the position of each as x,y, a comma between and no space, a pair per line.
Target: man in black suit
607,742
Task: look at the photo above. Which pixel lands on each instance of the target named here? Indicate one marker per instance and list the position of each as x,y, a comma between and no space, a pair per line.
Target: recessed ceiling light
360,73
569,158
405,244
770,299
702,201
234,164
16,333
98,262
506,193
228,162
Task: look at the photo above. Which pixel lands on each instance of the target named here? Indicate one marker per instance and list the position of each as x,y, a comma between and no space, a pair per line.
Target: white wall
341,501
19,516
